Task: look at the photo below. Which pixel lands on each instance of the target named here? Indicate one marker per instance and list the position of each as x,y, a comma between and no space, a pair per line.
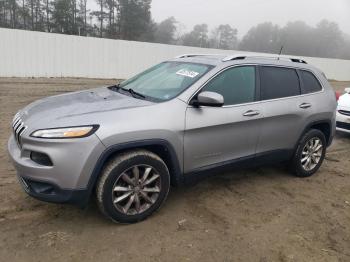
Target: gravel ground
262,214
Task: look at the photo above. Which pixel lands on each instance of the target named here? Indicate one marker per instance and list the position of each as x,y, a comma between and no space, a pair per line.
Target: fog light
41,159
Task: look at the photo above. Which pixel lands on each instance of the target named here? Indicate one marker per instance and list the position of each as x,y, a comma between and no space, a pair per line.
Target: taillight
337,95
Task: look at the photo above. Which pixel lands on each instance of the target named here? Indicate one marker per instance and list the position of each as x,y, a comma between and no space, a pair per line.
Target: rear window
278,82
310,82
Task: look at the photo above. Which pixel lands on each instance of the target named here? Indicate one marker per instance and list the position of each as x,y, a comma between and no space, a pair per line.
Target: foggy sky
243,14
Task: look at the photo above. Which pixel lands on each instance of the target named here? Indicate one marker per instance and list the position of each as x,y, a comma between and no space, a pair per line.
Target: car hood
72,105
344,101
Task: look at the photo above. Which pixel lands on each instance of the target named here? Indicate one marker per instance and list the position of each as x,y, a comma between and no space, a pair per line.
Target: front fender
176,172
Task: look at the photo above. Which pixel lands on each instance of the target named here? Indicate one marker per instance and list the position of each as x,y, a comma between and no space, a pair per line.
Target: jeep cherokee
181,119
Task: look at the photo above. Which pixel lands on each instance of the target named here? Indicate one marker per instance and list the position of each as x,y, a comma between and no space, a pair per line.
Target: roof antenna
280,53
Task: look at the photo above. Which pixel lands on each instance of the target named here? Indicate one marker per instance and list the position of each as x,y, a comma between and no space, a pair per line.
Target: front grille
18,128
344,112
343,125
24,184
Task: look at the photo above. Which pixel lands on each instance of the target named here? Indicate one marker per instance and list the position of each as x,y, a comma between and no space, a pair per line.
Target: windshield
166,80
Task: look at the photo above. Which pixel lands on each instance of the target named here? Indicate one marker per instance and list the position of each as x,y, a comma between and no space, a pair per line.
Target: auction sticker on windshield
187,73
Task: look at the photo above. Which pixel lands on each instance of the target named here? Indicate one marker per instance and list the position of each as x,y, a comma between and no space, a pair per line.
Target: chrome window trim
260,101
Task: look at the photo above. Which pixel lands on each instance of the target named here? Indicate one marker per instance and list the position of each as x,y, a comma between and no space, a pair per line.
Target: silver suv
181,119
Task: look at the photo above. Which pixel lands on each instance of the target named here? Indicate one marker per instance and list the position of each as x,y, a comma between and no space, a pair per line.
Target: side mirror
207,98
347,90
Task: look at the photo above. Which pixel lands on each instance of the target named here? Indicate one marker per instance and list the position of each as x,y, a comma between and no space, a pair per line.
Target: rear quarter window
310,82
278,82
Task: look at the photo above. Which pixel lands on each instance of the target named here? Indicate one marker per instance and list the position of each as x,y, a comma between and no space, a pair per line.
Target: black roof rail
194,55
243,56
298,60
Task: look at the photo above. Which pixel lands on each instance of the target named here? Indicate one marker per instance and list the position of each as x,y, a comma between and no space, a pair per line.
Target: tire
122,198
298,165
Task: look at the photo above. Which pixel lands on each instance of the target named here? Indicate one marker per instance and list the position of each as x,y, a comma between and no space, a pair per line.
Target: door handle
305,105
251,113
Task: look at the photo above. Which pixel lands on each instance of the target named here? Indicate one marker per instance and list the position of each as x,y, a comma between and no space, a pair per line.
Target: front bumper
66,180
52,193
343,123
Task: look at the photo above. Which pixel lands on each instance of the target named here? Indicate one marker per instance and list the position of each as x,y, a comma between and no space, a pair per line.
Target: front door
217,135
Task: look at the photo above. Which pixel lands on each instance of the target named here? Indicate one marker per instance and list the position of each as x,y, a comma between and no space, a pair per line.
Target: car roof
222,59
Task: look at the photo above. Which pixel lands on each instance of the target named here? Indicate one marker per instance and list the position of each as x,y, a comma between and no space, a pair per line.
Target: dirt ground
263,214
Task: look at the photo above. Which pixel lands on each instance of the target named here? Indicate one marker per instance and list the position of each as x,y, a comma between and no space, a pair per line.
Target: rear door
215,135
284,115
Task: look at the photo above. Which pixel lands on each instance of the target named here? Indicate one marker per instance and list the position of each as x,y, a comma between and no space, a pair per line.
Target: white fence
37,54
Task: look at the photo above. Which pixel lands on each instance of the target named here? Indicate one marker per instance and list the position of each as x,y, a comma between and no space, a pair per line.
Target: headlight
66,132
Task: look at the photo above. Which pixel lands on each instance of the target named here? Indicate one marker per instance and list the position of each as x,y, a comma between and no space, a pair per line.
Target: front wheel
133,186
310,154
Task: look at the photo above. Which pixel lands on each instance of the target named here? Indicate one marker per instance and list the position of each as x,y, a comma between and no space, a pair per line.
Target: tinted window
277,82
236,85
310,83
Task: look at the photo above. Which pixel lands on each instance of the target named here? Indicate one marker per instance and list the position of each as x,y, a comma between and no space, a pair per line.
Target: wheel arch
158,146
325,126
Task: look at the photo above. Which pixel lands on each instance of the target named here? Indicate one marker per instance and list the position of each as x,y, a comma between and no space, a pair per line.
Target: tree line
117,19
132,20
296,38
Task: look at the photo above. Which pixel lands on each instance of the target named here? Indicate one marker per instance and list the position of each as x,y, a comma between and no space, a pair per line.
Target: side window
310,82
278,82
236,85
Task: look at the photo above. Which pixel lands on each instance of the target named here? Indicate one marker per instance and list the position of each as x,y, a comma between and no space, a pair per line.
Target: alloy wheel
311,154
136,189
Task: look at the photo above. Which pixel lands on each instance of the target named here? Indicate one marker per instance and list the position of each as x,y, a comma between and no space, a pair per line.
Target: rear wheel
310,154
133,186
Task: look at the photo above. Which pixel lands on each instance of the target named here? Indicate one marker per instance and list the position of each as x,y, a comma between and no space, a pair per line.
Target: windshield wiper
134,93
115,87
